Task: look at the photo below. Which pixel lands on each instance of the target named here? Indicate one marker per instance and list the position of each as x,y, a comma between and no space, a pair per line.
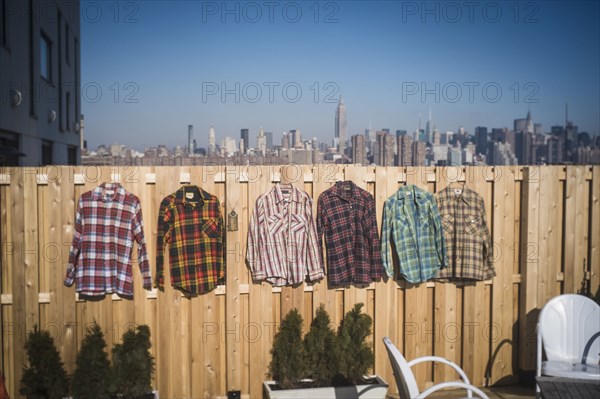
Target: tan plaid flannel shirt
468,240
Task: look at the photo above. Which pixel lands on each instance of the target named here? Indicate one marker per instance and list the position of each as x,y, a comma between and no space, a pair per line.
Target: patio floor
504,392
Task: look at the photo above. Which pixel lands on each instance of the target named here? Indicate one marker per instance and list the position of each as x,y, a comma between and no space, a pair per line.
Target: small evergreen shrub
355,355
44,376
324,357
92,368
287,365
133,364
319,345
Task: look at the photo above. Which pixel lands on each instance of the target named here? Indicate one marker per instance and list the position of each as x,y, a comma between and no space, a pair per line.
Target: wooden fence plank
501,329
570,244
419,336
595,234
235,268
6,247
167,182
446,300
582,218
19,305
259,358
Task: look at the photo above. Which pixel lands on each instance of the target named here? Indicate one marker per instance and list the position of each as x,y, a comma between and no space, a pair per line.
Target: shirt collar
412,192
449,195
108,192
198,193
345,190
294,194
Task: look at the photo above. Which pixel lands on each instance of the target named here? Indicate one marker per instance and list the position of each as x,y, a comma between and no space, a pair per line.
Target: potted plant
287,361
326,365
44,377
320,359
133,365
92,367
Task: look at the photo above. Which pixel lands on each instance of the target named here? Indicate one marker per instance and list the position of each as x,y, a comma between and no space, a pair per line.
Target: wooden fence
542,222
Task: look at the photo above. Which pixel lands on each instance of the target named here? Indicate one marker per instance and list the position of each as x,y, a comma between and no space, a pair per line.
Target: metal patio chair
407,384
568,333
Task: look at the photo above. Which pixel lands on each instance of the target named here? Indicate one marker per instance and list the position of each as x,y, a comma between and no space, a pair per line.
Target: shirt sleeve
137,227
315,265
320,227
488,255
373,239
75,245
253,251
386,256
162,238
223,230
438,231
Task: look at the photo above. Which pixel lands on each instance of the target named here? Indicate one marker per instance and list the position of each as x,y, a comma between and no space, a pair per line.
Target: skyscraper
429,128
523,147
269,136
228,147
212,145
384,149
359,154
191,139
285,141
340,126
295,138
405,150
481,139
418,153
244,140
261,142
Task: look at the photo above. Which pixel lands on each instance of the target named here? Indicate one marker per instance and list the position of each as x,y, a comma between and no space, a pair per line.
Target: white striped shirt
282,239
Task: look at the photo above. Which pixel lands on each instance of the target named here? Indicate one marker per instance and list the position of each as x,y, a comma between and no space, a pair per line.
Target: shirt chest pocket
275,224
209,228
448,223
401,223
298,224
473,224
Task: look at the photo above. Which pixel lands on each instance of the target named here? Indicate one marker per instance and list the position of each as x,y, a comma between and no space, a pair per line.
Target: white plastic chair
568,330
407,384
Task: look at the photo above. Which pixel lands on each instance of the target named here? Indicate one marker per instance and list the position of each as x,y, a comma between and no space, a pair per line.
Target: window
72,155
45,57
68,109
46,152
3,22
9,149
67,48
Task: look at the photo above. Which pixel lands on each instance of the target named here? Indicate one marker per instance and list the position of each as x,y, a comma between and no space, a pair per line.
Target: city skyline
197,63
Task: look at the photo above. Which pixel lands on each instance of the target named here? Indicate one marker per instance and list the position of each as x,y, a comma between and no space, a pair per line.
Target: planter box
376,390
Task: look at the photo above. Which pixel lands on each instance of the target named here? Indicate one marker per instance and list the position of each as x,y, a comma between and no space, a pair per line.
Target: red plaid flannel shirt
346,217
108,221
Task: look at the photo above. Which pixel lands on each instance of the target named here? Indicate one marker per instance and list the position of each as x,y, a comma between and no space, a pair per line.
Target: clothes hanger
285,180
457,187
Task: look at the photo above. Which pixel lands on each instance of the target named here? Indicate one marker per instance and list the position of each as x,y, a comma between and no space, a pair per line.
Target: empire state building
340,126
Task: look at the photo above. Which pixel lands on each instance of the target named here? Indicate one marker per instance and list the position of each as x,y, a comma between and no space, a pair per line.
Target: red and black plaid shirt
190,222
108,221
346,217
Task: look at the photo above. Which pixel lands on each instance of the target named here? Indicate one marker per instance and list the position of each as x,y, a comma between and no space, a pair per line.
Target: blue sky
150,68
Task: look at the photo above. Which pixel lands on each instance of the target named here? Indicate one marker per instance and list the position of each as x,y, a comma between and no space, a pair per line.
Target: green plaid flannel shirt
412,224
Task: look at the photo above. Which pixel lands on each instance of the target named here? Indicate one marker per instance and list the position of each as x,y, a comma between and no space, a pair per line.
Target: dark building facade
40,81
